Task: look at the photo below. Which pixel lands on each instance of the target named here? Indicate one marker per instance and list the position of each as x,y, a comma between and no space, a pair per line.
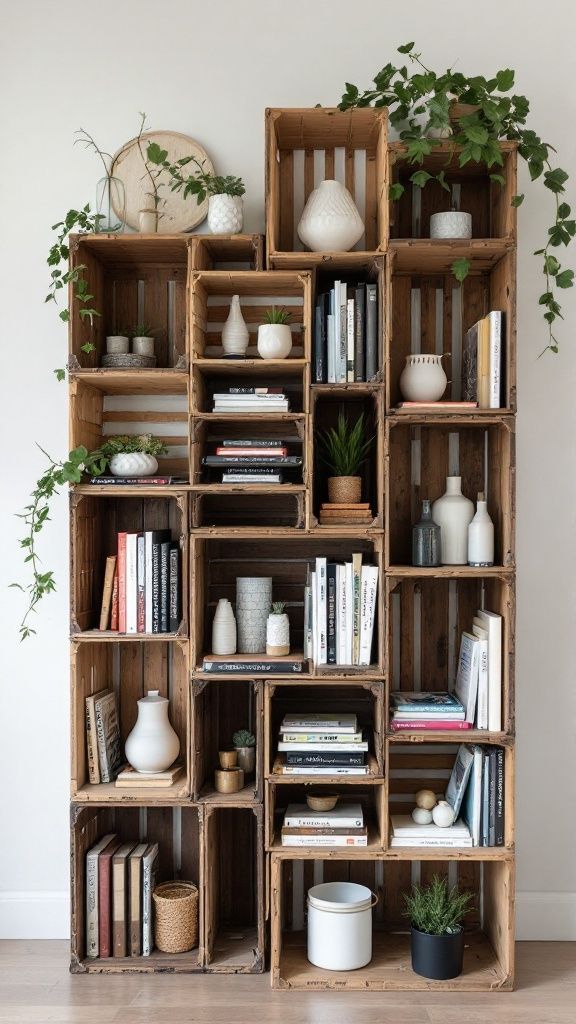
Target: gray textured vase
426,539
253,603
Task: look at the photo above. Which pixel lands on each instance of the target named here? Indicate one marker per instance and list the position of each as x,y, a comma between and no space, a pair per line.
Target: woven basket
176,916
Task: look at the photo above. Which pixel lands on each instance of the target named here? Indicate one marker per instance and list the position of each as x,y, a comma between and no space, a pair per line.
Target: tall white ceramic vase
152,746
330,221
481,536
224,629
253,602
235,332
453,513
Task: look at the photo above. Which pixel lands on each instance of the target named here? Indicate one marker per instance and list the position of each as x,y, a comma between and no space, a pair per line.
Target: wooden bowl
228,780
324,802
228,758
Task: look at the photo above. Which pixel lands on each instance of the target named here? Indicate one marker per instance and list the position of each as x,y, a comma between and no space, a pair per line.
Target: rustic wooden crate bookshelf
182,284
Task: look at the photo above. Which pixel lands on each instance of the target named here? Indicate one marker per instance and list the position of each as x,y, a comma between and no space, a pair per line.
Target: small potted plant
436,912
143,340
344,449
274,335
131,456
245,746
278,631
225,206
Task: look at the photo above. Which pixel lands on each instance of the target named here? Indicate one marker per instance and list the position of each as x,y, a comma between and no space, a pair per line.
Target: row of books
346,334
342,826
250,399
120,880
483,363
141,592
252,460
322,744
479,677
339,612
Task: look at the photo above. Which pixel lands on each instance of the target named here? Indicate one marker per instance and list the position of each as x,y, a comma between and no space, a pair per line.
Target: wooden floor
35,988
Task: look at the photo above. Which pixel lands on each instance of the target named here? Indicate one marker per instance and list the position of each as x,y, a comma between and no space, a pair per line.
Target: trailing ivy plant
199,183
420,108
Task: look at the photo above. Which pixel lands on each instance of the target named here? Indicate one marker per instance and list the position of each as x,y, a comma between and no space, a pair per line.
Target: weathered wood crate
220,708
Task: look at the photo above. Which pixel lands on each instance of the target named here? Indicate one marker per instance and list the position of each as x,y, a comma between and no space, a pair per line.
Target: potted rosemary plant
274,335
436,912
344,449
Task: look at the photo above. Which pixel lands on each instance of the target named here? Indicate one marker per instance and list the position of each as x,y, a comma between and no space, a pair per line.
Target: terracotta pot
344,490
457,110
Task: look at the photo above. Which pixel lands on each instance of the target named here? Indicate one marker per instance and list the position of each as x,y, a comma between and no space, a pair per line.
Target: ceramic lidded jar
453,512
235,332
224,629
225,214
423,378
152,746
330,221
133,464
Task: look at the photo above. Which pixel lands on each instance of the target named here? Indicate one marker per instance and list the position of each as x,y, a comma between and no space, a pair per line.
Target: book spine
330,328
331,613
418,723
350,340
326,746
131,480
131,584
482,701
340,615
359,317
369,582
121,582
314,616
92,930
321,840
324,821
254,442
314,830
446,842
492,769
104,867
324,759
485,813
164,586
343,350
499,815
321,737
175,583
135,907
322,617
119,907
148,874
371,331
349,611
495,395
141,583
356,583
148,539
246,667
105,772
292,769
156,546
319,342
114,608
107,592
92,743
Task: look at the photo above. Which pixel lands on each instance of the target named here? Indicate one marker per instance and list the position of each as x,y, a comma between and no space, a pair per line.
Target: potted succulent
275,336
143,340
344,449
225,207
278,631
245,746
436,912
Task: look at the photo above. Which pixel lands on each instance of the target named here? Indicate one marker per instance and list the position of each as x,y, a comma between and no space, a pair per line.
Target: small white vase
148,221
481,536
253,601
453,513
143,346
117,344
443,814
330,221
423,378
451,224
278,634
152,746
274,341
225,214
235,334
133,464
224,629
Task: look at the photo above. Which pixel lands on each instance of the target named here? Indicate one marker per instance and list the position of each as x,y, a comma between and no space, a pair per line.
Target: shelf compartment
372,273
227,252
419,457
304,146
234,886
208,381
208,434
134,279
237,506
177,830
279,795
95,524
220,708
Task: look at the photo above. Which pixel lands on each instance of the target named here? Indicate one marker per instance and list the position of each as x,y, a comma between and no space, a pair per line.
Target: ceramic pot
426,540
330,221
253,601
224,629
451,224
133,464
437,956
345,490
152,746
143,346
274,341
453,512
246,759
117,344
228,780
235,332
225,214
277,634
148,221
443,814
228,758
481,536
423,378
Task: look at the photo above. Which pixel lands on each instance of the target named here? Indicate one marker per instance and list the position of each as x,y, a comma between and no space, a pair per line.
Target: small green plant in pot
344,449
245,746
278,631
436,912
225,207
143,340
275,336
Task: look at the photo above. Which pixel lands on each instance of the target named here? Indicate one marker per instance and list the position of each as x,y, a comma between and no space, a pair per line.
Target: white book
459,778
148,584
322,840
292,769
336,335
343,331
140,575
347,723
466,686
314,603
493,624
92,914
149,863
442,841
330,345
482,699
320,745
322,612
403,827
346,814
340,615
472,803
356,586
495,364
307,620
256,478
368,592
349,613
131,583
350,335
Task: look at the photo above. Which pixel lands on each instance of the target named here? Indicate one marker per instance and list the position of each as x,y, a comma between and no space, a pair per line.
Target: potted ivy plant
344,449
274,335
225,206
245,746
436,912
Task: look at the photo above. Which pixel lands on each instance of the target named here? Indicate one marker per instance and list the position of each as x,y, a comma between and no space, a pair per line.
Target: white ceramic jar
117,344
453,513
274,341
340,925
451,224
330,221
481,536
133,464
225,214
423,378
152,746
235,332
224,629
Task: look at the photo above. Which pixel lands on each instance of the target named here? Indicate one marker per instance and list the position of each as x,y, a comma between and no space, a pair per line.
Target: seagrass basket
175,916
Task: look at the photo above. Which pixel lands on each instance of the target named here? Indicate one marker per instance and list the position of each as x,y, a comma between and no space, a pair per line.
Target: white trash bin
340,925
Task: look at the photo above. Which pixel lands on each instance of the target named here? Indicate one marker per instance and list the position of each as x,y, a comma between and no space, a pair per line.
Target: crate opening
233,905
222,708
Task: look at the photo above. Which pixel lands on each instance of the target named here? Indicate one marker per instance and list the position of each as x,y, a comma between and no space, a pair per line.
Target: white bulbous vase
453,513
224,629
152,746
225,214
133,464
443,814
235,334
423,378
274,341
330,221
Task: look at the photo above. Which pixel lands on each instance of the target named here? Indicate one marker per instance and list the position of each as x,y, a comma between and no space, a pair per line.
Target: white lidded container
340,925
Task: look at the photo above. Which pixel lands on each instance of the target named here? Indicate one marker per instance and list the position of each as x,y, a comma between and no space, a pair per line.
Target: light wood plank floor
35,988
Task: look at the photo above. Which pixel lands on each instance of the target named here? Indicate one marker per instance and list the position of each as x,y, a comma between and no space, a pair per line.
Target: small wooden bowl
324,802
228,758
228,780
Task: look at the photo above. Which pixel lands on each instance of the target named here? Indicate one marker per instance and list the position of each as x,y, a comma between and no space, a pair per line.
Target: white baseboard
546,916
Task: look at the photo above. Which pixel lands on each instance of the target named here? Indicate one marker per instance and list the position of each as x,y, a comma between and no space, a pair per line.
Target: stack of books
359,514
339,612
103,749
129,778
426,710
346,334
248,399
120,880
253,664
141,592
343,826
406,832
319,744
479,677
483,363
253,460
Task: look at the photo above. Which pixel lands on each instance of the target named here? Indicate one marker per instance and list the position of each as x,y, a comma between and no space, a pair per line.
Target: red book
114,612
105,899
121,582
252,451
436,725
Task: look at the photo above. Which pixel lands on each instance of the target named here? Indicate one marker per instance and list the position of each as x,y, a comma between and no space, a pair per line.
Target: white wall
210,70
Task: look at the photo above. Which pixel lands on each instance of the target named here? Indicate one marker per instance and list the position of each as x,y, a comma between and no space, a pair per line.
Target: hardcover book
92,904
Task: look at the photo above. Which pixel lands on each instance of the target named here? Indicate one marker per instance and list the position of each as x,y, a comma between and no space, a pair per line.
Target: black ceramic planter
437,956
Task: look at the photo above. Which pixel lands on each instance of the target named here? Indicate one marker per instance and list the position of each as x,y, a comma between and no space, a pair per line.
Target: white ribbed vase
225,214
453,513
253,602
133,464
224,629
235,332
152,746
330,221
278,634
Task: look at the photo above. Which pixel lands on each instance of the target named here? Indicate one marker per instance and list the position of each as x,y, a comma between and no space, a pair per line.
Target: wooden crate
234,884
177,830
370,794
227,252
373,272
304,146
220,708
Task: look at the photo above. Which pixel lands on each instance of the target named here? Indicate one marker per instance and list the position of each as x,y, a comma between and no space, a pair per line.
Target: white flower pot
330,221
253,601
235,332
143,346
451,224
225,214
423,378
152,746
277,634
224,629
148,221
274,341
453,513
117,344
133,464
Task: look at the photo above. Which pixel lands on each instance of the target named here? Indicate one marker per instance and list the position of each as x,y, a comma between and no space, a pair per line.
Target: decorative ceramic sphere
421,816
443,814
426,798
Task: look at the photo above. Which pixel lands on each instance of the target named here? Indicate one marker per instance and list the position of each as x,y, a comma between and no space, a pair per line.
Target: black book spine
164,586
325,759
156,547
331,612
255,667
359,329
492,800
371,316
320,371
174,617
254,442
499,823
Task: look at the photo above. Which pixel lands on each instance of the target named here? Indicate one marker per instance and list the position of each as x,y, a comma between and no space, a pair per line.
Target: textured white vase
143,346
423,378
253,601
148,221
278,634
133,464
330,221
481,536
235,332
152,746
224,629
225,214
274,341
451,224
117,344
453,512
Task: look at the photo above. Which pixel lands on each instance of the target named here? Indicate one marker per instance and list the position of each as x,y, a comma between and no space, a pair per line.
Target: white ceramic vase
423,378
235,332
117,344
224,629
225,214
274,341
133,464
453,513
143,346
330,221
148,221
443,814
152,746
451,224
481,536
253,601
278,634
